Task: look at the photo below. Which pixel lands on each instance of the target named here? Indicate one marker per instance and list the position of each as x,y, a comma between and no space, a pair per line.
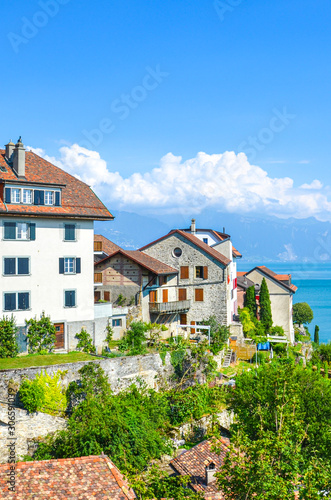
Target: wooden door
153,296
182,294
183,319
106,296
59,335
97,296
164,295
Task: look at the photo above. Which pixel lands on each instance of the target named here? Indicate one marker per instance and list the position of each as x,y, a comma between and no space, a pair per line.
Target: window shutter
10,301
41,197
32,231
69,232
61,266
182,294
78,266
205,272
106,296
198,295
10,265
23,301
10,230
57,198
7,195
184,272
165,295
36,197
23,265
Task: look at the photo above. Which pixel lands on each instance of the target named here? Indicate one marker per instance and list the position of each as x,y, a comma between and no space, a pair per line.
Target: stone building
203,285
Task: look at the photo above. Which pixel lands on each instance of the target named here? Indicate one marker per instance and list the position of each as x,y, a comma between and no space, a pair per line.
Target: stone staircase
227,358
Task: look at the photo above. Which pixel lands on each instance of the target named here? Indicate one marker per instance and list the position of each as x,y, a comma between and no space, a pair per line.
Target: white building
46,231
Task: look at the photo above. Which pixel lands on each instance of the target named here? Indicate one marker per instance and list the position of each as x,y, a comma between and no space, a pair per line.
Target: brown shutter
183,319
97,296
192,329
205,272
106,296
152,296
184,272
182,294
198,294
98,246
165,295
97,277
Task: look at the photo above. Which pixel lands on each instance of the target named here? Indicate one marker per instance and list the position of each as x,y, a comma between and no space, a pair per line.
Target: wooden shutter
182,294
97,277
152,296
193,329
184,272
98,246
106,296
97,296
78,265
198,294
205,272
61,265
57,198
32,232
183,319
165,295
7,195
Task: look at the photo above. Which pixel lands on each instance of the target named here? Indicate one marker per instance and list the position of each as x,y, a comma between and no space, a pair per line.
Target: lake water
314,287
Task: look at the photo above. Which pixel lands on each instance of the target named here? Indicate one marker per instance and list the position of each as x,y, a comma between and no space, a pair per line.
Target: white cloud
316,184
220,182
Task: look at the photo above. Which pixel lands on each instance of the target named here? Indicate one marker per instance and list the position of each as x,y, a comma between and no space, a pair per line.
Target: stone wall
197,429
121,372
28,428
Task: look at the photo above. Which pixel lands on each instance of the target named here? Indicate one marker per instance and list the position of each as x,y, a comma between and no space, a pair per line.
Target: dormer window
15,195
27,196
49,197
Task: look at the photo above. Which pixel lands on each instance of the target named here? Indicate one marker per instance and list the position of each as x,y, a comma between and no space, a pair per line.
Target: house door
59,335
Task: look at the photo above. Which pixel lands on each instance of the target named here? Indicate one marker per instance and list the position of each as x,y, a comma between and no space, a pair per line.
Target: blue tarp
263,347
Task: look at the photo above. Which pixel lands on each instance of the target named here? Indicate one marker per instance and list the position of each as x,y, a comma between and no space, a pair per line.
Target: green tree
134,338
41,334
302,313
250,300
219,334
8,340
44,393
246,321
316,335
85,341
265,306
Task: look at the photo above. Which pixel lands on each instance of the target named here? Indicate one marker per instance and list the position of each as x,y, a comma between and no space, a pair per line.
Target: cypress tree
250,301
265,306
316,335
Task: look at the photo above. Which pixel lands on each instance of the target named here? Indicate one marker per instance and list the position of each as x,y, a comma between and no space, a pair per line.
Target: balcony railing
169,307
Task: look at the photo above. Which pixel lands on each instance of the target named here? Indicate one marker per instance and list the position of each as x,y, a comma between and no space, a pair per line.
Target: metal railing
169,307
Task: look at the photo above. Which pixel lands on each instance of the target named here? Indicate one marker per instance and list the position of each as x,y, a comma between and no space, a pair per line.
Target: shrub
44,393
134,338
85,343
41,334
121,300
219,334
302,313
8,341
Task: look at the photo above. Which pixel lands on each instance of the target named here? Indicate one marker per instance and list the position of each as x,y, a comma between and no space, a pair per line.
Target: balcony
169,307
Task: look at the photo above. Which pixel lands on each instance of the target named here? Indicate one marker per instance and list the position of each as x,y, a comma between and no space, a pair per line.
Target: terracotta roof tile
193,463
108,246
78,199
80,478
276,277
197,242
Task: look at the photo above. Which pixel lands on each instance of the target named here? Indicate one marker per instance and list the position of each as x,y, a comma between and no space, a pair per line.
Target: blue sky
225,72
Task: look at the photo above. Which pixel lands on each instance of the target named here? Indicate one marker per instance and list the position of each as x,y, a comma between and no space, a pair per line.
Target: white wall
45,284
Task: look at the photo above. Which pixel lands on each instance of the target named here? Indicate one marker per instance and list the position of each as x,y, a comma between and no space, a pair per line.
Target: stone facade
216,292
121,372
28,428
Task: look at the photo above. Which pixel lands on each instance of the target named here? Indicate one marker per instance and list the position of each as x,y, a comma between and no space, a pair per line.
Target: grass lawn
236,368
43,360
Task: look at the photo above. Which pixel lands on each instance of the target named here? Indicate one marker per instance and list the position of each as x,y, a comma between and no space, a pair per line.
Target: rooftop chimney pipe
19,158
210,473
9,151
193,230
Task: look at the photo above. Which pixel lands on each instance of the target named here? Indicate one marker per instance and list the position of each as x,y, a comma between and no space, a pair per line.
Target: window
177,252
184,272
16,301
69,232
97,277
19,231
201,272
162,280
15,195
70,298
49,197
69,265
116,322
15,266
205,240
27,196
198,294
98,246
182,295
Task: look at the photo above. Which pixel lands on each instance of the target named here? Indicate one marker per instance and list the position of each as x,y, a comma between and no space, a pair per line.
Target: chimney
193,231
19,158
9,151
210,473
224,230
